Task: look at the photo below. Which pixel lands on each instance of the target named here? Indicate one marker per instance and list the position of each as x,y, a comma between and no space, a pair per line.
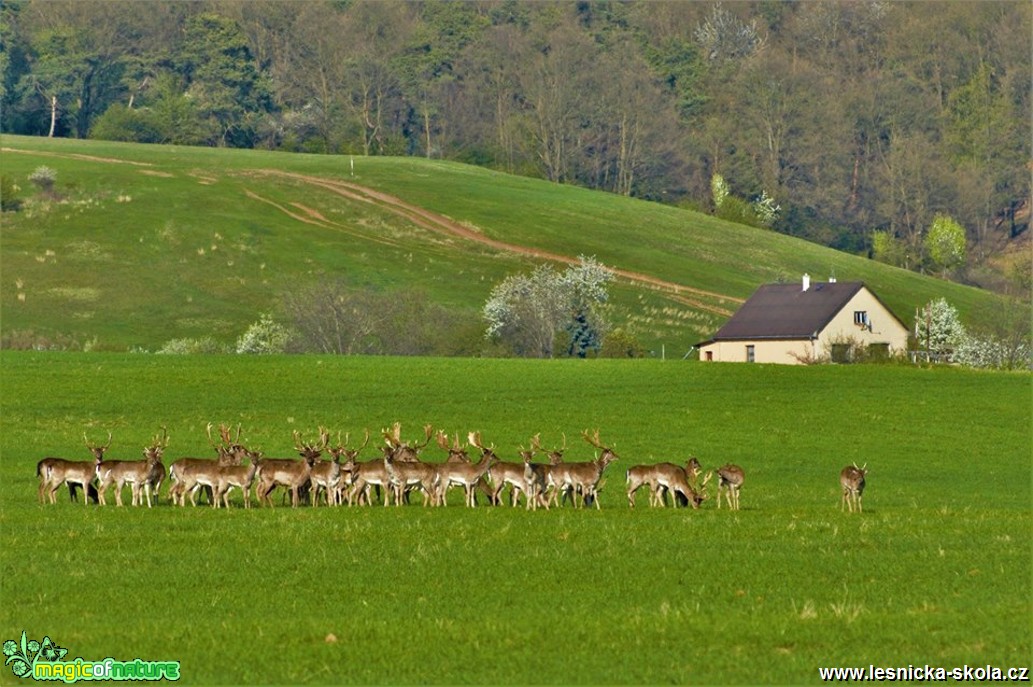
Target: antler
593,440
442,440
428,430
92,447
536,443
163,441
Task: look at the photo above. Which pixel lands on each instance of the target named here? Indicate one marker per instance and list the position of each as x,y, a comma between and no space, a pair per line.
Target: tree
945,243
939,330
223,78
528,311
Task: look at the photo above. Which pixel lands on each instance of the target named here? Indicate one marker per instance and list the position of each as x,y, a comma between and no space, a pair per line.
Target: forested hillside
852,124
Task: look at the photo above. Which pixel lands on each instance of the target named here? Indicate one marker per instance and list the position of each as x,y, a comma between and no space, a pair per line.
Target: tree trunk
53,115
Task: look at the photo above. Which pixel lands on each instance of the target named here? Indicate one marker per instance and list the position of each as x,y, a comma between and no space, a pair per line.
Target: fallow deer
675,478
136,473
239,476
458,471
729,479
852,479
293,475
584,478
188,475
53,472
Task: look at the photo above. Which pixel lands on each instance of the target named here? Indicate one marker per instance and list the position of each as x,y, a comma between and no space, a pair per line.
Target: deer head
607,454
96,449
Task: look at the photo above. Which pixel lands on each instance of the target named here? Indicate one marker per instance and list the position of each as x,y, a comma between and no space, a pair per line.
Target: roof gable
786,311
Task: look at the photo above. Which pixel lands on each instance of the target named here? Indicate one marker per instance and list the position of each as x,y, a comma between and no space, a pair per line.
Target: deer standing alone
851,479
729,479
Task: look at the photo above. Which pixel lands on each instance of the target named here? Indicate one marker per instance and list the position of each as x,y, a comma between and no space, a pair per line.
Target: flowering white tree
264,336
938,329
528,311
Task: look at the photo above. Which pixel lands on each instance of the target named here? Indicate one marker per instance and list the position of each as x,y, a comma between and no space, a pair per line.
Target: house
804,322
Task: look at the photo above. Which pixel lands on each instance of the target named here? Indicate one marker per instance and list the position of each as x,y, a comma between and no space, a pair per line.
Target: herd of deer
399,471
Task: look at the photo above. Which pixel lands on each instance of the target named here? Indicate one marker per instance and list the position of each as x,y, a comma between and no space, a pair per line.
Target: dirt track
443,225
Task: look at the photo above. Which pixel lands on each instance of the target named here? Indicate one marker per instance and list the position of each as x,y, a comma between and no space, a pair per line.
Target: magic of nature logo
44,660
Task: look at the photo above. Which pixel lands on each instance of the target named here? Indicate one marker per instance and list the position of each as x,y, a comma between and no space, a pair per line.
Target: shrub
263,337
44,177
205,344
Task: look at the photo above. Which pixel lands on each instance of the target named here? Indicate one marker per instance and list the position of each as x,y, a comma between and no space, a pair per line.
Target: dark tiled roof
786,311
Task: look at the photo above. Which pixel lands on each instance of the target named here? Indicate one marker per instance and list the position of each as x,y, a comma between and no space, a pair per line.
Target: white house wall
885,329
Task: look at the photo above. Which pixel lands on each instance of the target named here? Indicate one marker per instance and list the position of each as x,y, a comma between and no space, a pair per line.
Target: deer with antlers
852,480
676,479
189,475
458,471
239,477
729,479
53,472
328,475
136,473
584,478
293,475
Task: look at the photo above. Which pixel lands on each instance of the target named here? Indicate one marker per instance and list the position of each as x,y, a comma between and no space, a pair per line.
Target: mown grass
937,570
176,242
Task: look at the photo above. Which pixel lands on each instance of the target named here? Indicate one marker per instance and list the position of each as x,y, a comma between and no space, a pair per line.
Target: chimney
806,281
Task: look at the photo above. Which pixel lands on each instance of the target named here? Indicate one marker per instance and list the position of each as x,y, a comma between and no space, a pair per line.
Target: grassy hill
141,244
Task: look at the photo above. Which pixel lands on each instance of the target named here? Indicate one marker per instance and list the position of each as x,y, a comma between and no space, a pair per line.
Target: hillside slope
141,244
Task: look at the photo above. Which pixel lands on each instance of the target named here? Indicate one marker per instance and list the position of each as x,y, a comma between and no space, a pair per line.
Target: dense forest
870,126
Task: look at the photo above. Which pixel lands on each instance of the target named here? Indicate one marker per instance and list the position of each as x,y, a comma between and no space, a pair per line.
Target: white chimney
806,281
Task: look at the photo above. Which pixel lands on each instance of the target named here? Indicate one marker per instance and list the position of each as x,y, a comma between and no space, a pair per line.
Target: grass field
936,571
142,244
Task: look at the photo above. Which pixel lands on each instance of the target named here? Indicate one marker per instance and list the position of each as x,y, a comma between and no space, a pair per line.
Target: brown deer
503,472
584,478
239,476
729,479
188,475
293,475
851,478
327,474
53,472
675,478
136,473
458,471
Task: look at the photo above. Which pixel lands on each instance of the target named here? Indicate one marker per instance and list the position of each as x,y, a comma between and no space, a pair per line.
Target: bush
204,345
44,177
621,344
264,337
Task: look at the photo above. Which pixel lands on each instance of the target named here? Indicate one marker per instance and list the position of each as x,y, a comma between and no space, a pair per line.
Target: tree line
852,124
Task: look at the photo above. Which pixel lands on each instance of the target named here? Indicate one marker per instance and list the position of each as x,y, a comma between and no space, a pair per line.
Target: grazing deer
240,476
729,479
136,473
458,471
675,479
293,475
53,472
584,478
851,478
188,475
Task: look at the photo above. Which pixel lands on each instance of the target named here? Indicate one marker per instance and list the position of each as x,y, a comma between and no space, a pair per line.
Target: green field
936,571
143,244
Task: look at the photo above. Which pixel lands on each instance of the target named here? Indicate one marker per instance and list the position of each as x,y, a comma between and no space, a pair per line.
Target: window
840,352
861,318
750,354
879,351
